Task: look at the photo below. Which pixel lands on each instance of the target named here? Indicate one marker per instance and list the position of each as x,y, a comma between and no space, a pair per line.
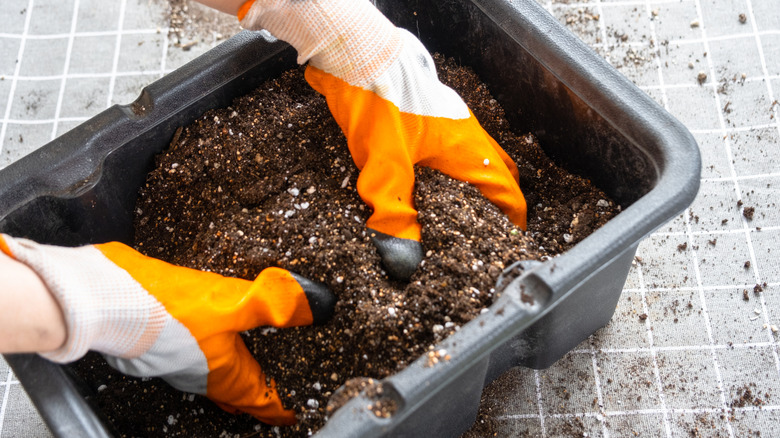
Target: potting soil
269,181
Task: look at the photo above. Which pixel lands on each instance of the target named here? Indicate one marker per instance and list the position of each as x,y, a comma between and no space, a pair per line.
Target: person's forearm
30,317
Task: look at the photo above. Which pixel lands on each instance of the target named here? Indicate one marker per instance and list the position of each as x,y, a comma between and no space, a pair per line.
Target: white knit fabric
412,84
349,39
105,309
353,41
176,357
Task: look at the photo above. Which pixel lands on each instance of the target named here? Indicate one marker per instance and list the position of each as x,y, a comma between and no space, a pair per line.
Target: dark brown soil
269,181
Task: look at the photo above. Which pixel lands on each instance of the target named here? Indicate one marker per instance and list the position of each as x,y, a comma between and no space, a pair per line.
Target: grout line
583,4
731,129
66,67
602,26
44,121
740,178
84,34
539,403
708,325
692,41
12,91
657,59
653,355
599,392
765,71
715,232
694,84
733,36
164,59
117,48
694,256
92,75
695,288
676,348
4,403
744,409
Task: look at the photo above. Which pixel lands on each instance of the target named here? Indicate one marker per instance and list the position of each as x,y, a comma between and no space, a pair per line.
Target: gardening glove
381,87
150,318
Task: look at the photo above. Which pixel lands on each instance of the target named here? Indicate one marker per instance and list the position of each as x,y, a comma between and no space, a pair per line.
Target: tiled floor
682,370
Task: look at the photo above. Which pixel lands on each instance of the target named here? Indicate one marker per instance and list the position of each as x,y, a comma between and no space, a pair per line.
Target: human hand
150,318
381,87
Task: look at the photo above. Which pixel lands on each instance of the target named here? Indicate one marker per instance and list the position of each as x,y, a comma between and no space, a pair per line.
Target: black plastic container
81,188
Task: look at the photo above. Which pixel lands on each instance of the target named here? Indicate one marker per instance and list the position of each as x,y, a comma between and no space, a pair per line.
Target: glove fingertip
322,301
400,257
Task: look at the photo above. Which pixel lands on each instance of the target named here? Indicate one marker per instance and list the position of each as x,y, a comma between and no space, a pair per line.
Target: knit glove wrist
153,319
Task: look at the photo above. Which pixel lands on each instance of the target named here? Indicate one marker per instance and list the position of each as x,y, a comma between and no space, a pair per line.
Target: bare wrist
32,320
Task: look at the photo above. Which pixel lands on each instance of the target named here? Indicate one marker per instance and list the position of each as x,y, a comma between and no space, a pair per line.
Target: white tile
722,17
689,379
9,54
51,17
21,418
45,57
721,259
35,100
628,381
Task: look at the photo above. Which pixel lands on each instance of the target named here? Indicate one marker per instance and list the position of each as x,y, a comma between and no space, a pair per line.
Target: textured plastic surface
81,188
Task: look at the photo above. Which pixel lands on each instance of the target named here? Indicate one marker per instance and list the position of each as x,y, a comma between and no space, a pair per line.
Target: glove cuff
349,39
105,309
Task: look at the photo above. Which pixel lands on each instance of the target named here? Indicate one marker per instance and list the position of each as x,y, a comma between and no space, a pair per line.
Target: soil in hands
269,181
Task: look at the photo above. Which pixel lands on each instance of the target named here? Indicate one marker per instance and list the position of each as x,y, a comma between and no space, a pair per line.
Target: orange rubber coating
216,309
5,249
386,143
244,9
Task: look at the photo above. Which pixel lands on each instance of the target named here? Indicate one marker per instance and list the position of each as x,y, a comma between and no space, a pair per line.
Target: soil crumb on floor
191,23
269,181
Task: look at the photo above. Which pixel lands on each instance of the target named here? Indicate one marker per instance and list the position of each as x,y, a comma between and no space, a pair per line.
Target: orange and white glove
381,87
150,318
